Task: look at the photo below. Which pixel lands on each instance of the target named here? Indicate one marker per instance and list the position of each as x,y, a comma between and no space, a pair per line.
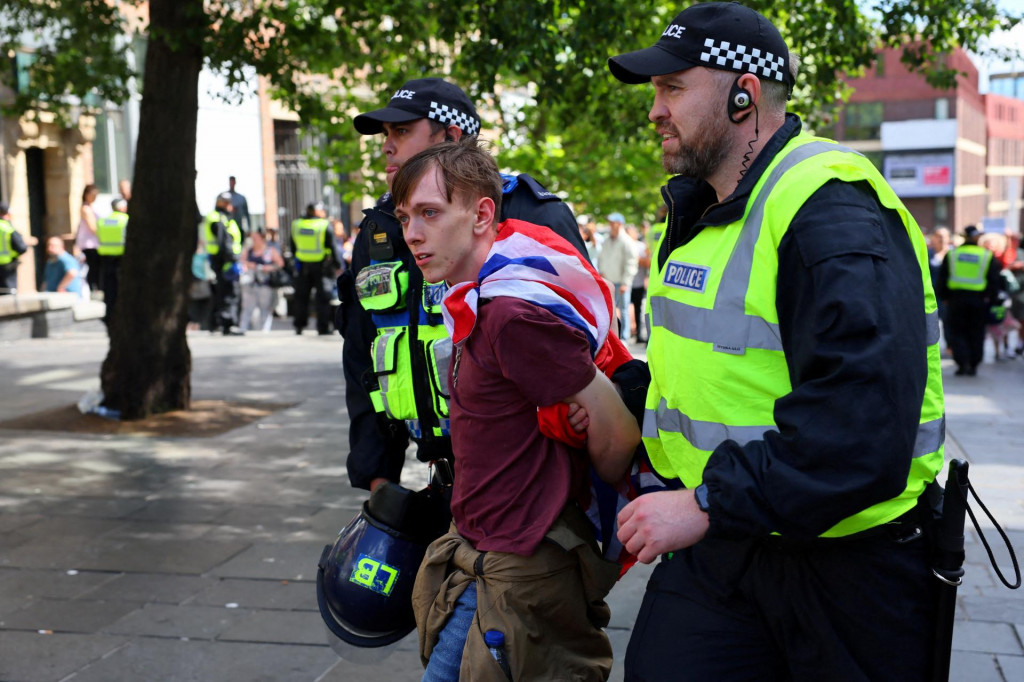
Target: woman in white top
86,239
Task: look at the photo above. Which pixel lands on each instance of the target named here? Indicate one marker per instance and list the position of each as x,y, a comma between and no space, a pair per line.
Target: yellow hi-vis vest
308,235
382,290
111,233
715,352
968,268
7,254
210,234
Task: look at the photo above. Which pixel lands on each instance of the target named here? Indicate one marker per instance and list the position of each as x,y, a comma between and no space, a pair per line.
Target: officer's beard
701,156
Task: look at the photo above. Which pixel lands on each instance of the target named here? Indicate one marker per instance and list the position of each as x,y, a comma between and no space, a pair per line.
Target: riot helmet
364,581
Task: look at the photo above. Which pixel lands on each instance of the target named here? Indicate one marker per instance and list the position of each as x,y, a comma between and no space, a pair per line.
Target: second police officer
111,232
396,350
224,245
312,242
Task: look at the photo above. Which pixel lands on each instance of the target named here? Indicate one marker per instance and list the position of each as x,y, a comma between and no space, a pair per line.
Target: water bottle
495,640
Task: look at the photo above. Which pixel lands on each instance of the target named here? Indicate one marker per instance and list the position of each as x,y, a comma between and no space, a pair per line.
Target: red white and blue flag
532,263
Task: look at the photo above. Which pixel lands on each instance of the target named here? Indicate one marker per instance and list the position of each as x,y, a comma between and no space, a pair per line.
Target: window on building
863,120
111,155
880,65
941,211
942,109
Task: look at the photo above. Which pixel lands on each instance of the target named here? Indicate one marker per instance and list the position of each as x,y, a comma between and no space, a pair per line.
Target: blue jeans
446,658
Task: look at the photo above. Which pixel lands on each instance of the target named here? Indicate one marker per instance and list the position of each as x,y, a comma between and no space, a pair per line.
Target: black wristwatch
700,494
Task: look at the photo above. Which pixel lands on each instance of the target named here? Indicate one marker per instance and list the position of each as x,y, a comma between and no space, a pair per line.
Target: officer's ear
453,134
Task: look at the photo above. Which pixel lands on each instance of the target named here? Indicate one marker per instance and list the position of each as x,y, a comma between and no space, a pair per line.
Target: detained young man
527,316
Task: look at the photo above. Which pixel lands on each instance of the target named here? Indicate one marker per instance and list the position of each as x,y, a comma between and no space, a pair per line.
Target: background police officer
316,257
795,386
969,282
224,245
111,232
394,355
12,245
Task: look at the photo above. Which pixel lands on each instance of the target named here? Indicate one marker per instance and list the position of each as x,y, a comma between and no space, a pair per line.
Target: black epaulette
539,191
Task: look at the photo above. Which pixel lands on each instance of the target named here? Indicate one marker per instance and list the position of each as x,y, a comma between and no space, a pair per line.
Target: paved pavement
126,558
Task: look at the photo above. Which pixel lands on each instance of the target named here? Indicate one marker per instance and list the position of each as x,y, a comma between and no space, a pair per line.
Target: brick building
931,144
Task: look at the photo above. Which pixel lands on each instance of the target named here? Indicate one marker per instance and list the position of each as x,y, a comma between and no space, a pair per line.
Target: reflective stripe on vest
968,268
735,368
308,235
6,250
111,233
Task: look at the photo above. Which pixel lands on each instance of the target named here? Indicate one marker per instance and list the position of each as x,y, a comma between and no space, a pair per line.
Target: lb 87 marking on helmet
367,573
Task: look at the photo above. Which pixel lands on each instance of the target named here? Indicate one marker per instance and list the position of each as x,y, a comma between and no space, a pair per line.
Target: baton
948,565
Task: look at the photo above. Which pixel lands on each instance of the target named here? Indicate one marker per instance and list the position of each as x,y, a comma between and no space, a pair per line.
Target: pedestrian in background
61,273
790,307
239,207
259,263
86,239
617,262
638,292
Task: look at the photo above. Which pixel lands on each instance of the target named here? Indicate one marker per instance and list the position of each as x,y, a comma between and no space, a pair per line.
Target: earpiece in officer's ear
449,138
739,101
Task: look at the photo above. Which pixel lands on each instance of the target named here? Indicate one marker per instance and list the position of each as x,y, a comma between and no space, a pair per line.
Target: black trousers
767,610
111,266
310,277
93,277
226,298
636,297
965,329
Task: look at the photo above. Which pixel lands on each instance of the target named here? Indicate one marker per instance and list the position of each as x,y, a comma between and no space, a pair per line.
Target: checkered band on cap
449,115
743,58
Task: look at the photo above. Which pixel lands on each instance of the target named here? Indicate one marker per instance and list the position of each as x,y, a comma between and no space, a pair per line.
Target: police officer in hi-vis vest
12,245
795,386
111,232
223,240
316,255
969,283
396,351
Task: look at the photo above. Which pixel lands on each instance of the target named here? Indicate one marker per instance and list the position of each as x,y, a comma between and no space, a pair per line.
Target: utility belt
407,338
909,526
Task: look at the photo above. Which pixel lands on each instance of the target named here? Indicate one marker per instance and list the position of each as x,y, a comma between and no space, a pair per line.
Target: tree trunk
147,368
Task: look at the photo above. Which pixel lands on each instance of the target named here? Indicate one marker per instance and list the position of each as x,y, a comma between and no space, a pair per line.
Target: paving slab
259,594
965,666
32,657
994,638
190,661
67,615
192,621
155,588
283,561
1012,667
277,627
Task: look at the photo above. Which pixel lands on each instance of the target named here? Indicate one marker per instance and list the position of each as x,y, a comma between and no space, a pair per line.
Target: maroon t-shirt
511,482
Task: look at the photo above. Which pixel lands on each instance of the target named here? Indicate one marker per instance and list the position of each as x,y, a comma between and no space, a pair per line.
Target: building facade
931,144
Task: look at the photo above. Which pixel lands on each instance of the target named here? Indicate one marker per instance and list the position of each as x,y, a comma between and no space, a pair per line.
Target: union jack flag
534,264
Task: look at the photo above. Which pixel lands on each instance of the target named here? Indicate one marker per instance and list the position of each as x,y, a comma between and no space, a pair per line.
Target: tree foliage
585,134
537,69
